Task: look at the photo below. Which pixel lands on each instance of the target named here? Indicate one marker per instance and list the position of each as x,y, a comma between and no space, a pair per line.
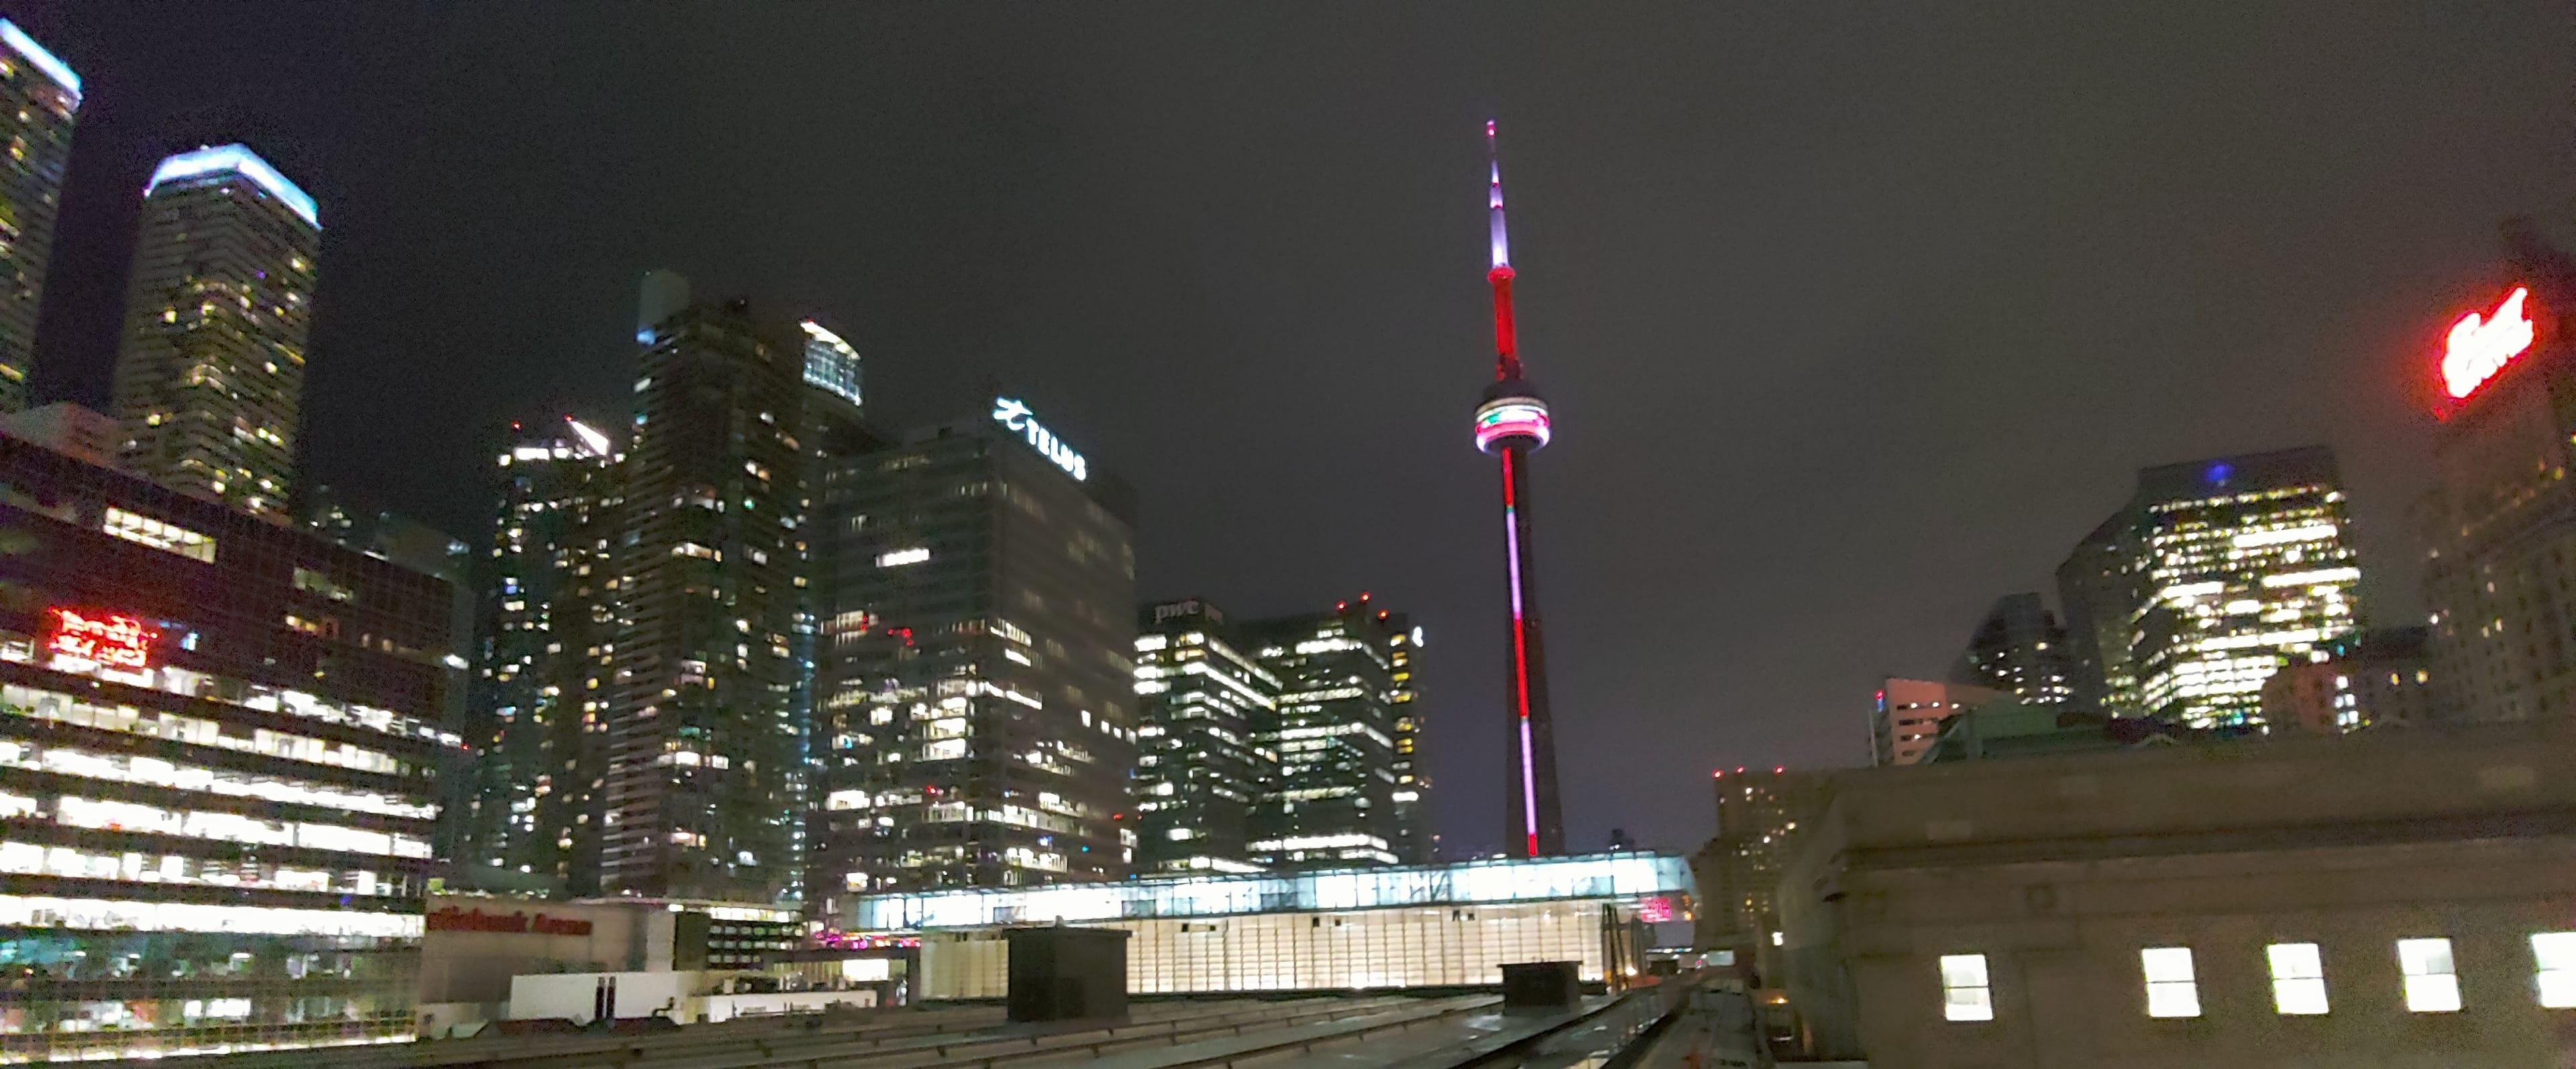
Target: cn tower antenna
1507,357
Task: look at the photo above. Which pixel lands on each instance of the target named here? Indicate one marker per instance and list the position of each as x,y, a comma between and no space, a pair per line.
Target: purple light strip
1512,547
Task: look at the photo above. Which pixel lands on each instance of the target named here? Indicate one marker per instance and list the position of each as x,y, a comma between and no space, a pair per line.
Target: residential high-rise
211,369
1415,842
1333,803
2246,565
218,773
2018,648
1908,715
2499,524
38,96
1200,769
1512,423
706,750
547,666
1759,813
977,716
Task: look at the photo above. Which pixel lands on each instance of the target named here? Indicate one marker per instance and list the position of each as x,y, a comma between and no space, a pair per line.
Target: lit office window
136,527
2298,978
2431,984
2555,955
2171,991
1965,993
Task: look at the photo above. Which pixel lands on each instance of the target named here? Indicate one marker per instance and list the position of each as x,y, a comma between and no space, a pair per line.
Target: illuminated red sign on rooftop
118,641
2481,345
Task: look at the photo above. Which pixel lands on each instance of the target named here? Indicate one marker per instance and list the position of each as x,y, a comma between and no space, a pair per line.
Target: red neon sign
118,641
2480,346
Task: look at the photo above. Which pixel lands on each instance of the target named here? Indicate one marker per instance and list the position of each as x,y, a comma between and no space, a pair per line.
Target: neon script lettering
2479,347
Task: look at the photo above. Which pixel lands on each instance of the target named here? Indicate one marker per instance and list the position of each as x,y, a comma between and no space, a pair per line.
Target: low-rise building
2391,898
1320,930
2369,679
1909,713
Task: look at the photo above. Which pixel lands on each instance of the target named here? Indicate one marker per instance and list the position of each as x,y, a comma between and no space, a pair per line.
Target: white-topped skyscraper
210,374
1512,423
38,94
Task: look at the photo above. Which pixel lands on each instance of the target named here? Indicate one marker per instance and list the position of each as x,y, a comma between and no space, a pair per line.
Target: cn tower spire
1507,357
1512,424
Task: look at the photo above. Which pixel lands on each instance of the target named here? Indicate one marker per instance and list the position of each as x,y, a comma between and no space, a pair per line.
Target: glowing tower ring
1512,419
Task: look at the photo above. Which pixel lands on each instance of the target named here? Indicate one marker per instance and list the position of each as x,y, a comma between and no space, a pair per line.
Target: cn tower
1512,424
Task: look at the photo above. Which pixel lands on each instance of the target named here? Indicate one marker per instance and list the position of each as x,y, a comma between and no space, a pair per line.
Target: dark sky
1854,315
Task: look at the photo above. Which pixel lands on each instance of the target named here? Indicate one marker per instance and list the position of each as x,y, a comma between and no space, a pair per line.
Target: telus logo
1015,415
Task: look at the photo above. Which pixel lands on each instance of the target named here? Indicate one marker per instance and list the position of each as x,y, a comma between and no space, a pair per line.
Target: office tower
2376,678
1759,812
1201,703
2246,565
216,773
38,95
705,766
2499,523
547,663
1908,713
1512,423
976,671
2098,587
1415,842
1332,804
2018,648
211,369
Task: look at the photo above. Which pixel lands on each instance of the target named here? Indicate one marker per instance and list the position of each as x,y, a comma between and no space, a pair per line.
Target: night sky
1854,315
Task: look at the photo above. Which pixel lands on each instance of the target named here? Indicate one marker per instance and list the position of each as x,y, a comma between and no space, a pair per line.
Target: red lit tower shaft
1512,424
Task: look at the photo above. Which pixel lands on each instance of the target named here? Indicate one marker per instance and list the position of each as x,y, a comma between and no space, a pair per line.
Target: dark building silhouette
2018,648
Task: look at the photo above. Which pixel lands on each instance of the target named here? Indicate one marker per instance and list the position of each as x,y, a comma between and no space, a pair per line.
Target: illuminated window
2431,985
2555,955
2171,991
135,527
1965,993
2298,978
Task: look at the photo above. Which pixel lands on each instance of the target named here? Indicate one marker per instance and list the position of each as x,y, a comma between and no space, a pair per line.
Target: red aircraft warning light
2479,346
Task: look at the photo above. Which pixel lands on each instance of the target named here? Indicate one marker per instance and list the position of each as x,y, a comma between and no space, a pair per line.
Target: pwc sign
2481,344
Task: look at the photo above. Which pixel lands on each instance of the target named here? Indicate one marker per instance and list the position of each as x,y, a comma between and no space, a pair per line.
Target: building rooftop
45,61
235,159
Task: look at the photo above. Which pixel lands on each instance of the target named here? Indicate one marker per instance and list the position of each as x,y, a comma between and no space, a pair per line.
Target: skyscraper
2018,648
1512,423
2215,575
1333,802
1200,769
2097,588
2499,523
211,369
705,766
532,818
976,674
38,96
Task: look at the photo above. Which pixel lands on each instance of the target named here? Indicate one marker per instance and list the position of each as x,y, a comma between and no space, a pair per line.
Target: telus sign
1015,415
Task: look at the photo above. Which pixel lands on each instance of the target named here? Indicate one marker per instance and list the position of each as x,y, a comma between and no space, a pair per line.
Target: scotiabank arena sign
2482,343
453,919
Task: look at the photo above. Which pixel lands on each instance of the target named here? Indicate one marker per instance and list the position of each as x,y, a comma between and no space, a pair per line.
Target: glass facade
1337,930
1199,770
2217,574
532,818
218,774
977,723
38,96
1596,876
1346,718
706,743
210,375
